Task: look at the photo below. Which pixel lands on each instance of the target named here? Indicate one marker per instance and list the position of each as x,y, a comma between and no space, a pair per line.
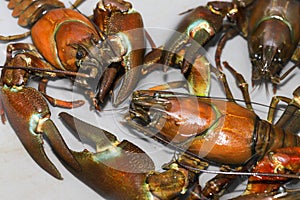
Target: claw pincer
118,166
29,115
123,27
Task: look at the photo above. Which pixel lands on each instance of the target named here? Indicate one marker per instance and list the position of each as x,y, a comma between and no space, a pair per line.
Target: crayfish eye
81,53
156,95
257,56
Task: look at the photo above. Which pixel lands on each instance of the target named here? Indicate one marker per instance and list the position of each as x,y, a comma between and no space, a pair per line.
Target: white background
22,178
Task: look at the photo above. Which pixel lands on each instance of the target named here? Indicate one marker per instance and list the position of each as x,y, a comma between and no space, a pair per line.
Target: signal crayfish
270,28
180,178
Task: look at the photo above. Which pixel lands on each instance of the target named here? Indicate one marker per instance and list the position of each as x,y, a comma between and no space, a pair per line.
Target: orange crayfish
223,133
104,47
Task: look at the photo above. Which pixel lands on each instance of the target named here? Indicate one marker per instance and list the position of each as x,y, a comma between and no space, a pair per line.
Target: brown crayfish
270,27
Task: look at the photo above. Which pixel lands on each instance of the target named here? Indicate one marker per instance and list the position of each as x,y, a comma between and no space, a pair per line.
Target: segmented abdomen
269,137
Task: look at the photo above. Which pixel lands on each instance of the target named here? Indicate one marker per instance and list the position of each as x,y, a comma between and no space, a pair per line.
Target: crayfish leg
197,76
2,113
57,102
229,34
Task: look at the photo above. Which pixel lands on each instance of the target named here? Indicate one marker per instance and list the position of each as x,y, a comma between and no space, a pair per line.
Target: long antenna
70,73
292,176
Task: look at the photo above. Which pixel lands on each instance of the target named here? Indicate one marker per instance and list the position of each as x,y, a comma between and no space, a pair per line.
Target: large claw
121,170
117,170
28,114
126,41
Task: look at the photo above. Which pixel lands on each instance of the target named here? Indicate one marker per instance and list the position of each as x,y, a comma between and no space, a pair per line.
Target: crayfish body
270,28
102,48
207,127
223,133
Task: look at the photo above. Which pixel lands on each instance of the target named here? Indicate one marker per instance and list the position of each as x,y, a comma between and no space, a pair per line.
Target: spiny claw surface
29,115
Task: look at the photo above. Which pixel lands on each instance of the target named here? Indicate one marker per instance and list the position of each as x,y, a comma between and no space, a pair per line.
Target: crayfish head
87,59
172,117
271,46
266,66
75,53
147,106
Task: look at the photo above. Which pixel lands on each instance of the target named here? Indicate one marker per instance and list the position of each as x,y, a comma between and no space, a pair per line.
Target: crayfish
224,133
66,44
103,170
205,130
270,27
103,47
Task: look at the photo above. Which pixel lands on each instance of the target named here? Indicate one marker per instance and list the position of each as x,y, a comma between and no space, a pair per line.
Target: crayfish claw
124,171
129,82
87,132
33,143
112,162
34,146
31,123
59,145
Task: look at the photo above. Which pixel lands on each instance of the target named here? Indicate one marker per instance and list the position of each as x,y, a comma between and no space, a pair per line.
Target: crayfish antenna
14,37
